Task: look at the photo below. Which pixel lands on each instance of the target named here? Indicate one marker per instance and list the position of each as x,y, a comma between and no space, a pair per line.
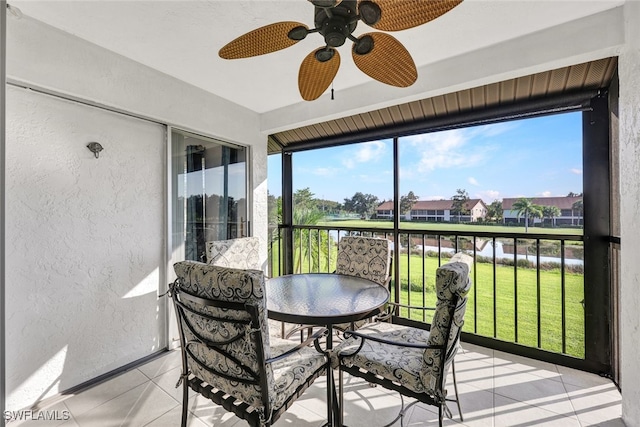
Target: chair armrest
383,317
364,337
311,339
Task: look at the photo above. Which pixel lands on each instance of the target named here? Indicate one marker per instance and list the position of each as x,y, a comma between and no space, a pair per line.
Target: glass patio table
324,299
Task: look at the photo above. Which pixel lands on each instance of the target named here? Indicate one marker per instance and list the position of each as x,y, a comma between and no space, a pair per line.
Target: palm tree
551,212
311,245
526,207
577,207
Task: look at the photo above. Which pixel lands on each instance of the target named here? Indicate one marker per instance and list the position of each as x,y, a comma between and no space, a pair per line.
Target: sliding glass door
209,193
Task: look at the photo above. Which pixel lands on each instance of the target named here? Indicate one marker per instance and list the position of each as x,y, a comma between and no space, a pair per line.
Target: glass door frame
175,252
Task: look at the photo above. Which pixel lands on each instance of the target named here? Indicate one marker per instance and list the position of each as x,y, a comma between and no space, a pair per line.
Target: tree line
307,207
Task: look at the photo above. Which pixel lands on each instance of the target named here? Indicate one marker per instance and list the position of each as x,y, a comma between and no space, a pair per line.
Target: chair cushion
364,257
292,371
399,364
452,286
243,253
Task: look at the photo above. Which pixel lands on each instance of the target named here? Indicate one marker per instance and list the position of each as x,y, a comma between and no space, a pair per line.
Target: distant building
568,215
385,210
437,211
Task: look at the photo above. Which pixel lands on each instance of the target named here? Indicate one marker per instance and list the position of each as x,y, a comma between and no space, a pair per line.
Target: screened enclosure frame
598,239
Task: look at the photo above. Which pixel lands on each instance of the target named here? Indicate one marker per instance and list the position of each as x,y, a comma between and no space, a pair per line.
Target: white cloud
448,149
471,180
325,171
366,152
576,171
545,194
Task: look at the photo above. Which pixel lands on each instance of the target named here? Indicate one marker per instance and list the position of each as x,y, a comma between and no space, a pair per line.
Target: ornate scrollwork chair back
225,344
243,253
406,356
366,257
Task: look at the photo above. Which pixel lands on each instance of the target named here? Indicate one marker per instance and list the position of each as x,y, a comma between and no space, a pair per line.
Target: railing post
597,222
287,213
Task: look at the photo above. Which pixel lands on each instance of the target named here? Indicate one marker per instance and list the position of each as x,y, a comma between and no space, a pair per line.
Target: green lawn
481,319
445,226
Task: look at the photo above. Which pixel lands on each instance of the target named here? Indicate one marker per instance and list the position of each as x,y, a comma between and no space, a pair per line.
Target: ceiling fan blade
315,75
260,41
400,15
388,61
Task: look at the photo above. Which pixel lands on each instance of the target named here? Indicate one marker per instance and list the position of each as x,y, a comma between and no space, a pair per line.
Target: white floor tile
136,407
534,390
511,413
168,381
210,413
595,405
367,406
162,364
525,365
476,405
504,390
472,372
173,418
581,378
475,352
104,392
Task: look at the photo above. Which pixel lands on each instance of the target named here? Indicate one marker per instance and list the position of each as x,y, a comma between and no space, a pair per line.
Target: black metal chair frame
241,409
446,356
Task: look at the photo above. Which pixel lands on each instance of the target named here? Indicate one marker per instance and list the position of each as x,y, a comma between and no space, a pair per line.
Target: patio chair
242,253
227,354
366,257
408,358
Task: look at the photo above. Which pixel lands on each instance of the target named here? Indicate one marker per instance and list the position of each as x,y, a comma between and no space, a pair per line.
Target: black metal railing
528,287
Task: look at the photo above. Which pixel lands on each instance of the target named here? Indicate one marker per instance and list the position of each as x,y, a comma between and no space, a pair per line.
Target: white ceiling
182,39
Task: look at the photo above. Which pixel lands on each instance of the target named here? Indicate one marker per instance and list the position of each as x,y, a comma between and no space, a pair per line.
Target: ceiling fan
379,55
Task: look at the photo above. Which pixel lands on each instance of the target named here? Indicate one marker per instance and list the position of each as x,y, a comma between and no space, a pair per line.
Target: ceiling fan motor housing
337,23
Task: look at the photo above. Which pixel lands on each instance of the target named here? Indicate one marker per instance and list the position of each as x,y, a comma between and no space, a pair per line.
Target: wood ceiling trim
587,76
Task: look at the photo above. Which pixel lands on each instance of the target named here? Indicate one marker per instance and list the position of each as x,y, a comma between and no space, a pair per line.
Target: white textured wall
630,215
84,243
86,239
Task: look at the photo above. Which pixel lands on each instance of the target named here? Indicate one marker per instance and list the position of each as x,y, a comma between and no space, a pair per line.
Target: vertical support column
3,86
396,220
287,212
597,222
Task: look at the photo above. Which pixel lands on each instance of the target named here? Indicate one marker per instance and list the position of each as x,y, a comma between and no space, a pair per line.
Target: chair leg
440,414
185,403
455,387
340,397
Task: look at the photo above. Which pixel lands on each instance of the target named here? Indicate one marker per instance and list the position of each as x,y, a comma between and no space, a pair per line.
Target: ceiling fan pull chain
332,91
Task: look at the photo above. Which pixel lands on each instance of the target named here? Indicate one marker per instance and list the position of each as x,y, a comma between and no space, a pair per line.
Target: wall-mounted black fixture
95,148
14,11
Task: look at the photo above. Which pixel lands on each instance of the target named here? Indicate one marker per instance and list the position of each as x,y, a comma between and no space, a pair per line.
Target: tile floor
496,389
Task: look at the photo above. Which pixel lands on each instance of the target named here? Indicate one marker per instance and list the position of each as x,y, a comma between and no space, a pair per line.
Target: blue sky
525,158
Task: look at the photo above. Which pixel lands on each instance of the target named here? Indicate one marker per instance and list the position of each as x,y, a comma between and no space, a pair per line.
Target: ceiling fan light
298,33
363,46
324,55
370,12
